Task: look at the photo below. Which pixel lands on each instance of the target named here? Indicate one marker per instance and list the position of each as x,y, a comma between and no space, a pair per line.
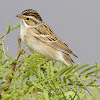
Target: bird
40,38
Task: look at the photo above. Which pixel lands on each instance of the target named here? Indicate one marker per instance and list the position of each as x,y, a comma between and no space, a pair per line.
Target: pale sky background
76,22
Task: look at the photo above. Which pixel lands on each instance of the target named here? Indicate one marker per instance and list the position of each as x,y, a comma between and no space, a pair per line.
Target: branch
16,59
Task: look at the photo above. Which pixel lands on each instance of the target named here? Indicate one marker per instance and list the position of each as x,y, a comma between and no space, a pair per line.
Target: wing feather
46,35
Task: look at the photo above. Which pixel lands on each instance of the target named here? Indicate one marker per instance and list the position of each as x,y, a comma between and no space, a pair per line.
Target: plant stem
0,57
16,59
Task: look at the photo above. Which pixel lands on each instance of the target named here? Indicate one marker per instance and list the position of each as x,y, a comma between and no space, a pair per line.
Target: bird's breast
23,33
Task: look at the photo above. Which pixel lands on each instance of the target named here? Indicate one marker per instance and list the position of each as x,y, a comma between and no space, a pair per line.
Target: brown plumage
41,39
30,12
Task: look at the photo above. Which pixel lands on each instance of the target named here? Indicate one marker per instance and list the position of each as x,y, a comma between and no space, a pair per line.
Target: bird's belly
40,47
37,46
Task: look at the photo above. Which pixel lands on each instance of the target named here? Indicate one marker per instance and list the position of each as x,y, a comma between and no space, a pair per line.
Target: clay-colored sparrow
40,38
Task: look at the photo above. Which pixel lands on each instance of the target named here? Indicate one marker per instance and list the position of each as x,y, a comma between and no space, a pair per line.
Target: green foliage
37,78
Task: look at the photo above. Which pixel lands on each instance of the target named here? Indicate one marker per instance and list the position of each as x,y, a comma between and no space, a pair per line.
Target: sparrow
39,38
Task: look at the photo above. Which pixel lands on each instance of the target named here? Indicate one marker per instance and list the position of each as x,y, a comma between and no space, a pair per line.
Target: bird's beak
20,16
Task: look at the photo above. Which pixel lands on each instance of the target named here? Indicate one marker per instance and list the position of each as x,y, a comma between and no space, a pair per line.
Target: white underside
39,47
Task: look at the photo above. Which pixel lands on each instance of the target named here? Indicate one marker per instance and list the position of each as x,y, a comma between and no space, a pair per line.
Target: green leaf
0,57
46,94
80,68
90,68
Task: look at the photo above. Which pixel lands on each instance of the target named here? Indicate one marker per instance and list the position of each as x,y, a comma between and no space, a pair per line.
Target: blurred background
76,22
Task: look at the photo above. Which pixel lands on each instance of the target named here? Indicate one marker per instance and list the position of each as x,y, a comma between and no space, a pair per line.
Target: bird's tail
67,60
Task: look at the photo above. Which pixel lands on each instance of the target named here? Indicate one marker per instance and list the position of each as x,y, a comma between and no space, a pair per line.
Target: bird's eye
27,18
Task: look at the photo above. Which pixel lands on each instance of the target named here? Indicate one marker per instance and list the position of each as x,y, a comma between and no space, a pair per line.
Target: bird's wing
46,35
